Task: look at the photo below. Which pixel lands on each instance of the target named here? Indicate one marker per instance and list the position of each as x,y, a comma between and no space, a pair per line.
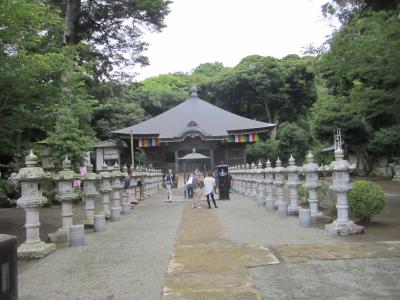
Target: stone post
293,181
248,180
269,179
65,195
116,185
126,206
132,187
341,185
311,183
279,183
31,200
260,185
105,190
253,181
89,194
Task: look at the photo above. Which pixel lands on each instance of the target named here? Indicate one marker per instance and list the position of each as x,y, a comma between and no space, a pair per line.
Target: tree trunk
72,15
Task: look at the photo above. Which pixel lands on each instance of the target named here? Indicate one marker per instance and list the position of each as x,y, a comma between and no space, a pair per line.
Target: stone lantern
341,185
311,183
65,195
248,180
89,194
117,186
293,181
253,194
279,183
105,189
31,200
260,185
269,179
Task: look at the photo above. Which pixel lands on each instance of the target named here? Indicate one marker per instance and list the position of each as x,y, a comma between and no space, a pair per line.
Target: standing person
189,186
215,176
127,183
197,191
168,185
209,184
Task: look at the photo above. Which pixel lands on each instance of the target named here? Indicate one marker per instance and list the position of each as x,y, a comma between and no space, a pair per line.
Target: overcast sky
200,31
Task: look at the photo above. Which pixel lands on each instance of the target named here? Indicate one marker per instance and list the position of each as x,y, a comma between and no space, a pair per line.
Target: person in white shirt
189,186
209,184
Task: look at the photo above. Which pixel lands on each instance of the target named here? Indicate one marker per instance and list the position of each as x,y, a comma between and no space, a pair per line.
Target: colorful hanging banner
149,142
244,138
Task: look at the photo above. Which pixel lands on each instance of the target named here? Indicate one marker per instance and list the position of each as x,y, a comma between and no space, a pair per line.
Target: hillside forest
62,81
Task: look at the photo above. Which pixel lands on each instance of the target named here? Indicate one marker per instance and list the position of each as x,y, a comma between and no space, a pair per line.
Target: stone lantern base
60,236
344,228
35,250
293,210
320,217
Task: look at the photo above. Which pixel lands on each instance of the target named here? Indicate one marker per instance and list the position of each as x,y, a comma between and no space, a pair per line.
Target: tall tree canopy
113,28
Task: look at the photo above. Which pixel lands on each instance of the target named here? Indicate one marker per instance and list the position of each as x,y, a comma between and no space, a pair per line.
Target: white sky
200,31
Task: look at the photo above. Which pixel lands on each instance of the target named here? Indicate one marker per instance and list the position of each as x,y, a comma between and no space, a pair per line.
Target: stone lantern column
293,182
260,186
341,185
89,194
243,179
123,193
269,179
248,180
254,178
105,190
133,188
311,183
31,200
65,195
279,183
116,185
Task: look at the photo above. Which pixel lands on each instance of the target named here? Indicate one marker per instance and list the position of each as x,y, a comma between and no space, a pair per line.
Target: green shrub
366,199
8,194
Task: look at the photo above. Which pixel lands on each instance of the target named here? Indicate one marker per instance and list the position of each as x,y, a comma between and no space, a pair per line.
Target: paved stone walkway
205,264
238,251
128,261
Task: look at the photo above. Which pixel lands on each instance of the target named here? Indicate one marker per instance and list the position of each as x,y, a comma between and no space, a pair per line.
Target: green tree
113,28
160,93
293,140
265,88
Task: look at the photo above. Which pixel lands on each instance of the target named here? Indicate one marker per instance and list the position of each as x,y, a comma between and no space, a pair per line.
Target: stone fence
267,186
107,186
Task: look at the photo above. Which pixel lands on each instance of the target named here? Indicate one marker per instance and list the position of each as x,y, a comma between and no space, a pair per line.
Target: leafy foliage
366,199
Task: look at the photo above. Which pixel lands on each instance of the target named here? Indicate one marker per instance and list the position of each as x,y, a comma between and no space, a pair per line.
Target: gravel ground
244,222
128,261
362,279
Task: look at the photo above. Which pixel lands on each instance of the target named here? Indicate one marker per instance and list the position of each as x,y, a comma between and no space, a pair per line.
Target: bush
7,194
366,199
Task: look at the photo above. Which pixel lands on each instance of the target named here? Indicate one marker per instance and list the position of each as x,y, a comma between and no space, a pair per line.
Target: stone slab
305,252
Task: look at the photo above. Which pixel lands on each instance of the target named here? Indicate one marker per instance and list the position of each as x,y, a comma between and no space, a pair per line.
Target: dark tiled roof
195,115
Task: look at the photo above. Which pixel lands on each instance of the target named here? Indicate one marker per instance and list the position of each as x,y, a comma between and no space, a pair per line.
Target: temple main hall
194,134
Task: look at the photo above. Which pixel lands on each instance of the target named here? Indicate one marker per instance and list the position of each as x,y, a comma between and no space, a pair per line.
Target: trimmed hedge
366,199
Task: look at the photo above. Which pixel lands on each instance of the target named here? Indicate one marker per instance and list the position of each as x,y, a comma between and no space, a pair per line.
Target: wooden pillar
212,159
176,162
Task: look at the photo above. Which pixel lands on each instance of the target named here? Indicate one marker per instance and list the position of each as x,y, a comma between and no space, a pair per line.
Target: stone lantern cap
104,173
66,174
292,168
268,168
125,170
32,172
310,166
116,172
279,168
